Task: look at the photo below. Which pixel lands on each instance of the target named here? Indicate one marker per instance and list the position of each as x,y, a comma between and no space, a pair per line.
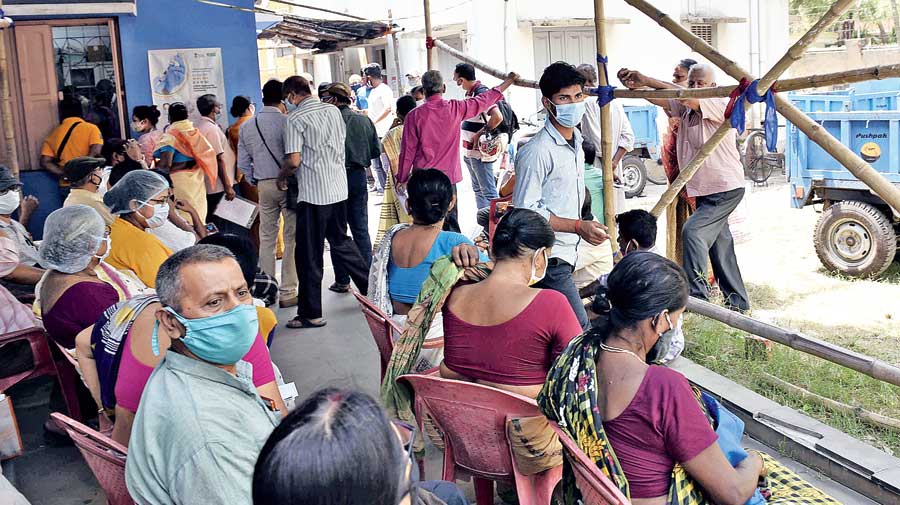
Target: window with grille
704,31
283,52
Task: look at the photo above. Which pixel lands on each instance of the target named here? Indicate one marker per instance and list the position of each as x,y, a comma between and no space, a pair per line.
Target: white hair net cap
140,185
72,236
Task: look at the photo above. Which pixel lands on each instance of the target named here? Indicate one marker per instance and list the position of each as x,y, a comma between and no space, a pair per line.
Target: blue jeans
357,219
379,173
559,278
483,183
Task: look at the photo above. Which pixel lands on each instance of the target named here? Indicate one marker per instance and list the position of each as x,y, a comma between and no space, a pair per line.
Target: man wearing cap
362,146
381,112
10,200
85,175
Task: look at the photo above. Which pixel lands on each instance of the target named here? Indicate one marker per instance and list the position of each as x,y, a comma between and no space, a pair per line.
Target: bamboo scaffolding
6,115
836,354
794,53
859,168
870,417
429,51
606,141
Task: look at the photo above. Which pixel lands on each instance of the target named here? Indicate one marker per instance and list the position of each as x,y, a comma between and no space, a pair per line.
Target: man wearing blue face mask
550,179
201,423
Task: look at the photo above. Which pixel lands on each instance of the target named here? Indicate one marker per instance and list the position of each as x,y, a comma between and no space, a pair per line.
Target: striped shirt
316,130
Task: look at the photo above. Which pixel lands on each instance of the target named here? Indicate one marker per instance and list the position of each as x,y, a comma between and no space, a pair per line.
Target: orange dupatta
195,143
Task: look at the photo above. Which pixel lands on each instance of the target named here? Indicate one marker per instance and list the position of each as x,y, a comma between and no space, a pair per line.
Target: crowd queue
165,304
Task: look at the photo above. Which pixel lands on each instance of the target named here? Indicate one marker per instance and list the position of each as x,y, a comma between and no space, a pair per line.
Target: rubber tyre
756,167
634,175
656,174
861,220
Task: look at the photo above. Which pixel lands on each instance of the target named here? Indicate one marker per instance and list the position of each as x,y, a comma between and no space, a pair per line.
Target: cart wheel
855,239
634,176
656,173
757,168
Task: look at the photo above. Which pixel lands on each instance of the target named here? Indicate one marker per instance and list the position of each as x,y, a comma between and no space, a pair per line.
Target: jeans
706,234
483,182
358,219
380,174
272,206
559,278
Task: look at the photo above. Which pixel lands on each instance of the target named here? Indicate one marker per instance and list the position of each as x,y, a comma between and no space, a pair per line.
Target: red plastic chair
473,419
595,487
44,364
382,327
105,457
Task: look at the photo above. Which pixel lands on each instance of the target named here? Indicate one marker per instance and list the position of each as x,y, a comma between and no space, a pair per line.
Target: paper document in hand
239,211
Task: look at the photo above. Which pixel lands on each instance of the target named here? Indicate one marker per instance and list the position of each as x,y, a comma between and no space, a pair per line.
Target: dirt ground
788,285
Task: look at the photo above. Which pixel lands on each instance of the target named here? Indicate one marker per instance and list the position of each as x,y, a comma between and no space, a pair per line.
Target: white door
446,64
572,45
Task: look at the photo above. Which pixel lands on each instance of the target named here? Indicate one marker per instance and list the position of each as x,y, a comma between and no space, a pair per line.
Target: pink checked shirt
431,134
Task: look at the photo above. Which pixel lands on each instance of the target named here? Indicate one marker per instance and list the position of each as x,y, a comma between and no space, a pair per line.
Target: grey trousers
706,234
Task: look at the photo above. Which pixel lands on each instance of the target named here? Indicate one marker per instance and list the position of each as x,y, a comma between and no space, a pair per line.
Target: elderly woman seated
643,424
71,295
21,279
502,332
141,201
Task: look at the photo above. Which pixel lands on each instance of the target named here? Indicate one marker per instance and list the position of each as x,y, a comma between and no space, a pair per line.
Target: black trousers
451,222
358,219
315,225
706,234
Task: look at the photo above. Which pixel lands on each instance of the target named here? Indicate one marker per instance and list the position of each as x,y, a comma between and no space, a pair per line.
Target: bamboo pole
499,74
606,141
859,168
870,417
429,51
872,367
396,44
9,131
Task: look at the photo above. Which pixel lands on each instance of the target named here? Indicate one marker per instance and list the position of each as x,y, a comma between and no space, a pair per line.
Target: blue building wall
185,24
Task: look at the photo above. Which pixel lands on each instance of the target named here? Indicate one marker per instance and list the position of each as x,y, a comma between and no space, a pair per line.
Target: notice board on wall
183,75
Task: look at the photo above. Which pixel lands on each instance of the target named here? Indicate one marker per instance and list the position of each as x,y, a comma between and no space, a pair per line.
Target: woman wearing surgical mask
501,331
141,202
143,125
71,294
338,448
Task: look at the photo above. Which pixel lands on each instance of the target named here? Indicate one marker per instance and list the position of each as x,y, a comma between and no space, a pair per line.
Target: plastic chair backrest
40,351
381,327
595,487
473,419
104,456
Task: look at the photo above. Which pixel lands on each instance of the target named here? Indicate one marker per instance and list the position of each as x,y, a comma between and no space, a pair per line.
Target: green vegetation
874,20
722,349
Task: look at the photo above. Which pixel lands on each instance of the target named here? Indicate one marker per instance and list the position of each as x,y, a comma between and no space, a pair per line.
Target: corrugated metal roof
325,35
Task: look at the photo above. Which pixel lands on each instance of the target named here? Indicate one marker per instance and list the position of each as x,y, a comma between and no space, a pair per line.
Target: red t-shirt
662,425
518,352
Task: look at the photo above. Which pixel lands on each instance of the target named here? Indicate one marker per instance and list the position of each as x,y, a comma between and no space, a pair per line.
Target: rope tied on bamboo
429,43
747,90
604,93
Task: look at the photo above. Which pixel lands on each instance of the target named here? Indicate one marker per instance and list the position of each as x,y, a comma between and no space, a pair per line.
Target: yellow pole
606,142
9,131
429,51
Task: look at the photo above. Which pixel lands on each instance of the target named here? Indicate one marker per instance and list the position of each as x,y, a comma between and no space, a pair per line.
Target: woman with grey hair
141,202
71,295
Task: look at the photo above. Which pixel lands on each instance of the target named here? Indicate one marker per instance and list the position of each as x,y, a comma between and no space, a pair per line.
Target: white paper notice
239,211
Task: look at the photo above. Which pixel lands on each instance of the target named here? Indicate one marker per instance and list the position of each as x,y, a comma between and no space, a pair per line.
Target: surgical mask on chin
160,214
534,278
103,256
222,339
10,201
660,349
569,115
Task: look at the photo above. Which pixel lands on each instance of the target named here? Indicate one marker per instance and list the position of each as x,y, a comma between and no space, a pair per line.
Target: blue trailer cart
646,146
857,233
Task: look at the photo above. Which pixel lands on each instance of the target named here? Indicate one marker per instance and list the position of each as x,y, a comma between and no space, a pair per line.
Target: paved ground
340,355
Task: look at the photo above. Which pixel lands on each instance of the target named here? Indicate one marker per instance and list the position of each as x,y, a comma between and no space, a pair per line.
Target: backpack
510,124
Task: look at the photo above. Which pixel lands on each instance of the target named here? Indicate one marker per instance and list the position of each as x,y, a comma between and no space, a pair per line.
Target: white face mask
420,102
534,277
10,201
103,256
160,214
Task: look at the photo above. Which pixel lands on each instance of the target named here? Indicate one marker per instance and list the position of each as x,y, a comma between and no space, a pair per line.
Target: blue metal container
880,100
646,132
874,135
824,102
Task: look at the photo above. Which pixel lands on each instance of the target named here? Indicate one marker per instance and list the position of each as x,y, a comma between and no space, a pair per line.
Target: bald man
718,185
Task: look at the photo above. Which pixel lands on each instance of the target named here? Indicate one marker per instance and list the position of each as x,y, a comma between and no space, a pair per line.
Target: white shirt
381,98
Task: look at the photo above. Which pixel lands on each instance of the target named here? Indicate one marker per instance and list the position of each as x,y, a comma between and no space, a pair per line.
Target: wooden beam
872,367
606,141
429,51
6,114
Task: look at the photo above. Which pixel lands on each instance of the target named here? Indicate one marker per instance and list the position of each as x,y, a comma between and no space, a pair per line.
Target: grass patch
721,349
889,276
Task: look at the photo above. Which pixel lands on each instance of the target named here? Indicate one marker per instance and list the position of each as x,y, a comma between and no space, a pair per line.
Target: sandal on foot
299,322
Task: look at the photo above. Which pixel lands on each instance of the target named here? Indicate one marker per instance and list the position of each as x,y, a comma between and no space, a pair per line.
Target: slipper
299,322
339,288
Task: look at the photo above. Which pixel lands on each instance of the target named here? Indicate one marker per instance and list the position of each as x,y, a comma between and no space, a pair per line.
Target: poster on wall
183,75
